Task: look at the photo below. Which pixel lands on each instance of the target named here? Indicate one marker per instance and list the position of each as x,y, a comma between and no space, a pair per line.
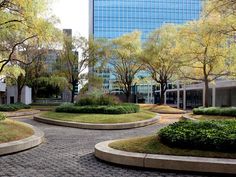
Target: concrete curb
20,114
24,144
117,126
187,117
44,109
163,112
167,162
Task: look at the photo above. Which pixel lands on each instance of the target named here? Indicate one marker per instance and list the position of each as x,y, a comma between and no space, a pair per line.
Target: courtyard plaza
68,152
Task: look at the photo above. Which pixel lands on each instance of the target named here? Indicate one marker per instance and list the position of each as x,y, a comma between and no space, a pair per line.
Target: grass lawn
160,108
151,145
210,117
100,118
11,131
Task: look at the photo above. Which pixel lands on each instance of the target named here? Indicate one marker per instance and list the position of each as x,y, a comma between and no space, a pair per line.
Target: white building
11,95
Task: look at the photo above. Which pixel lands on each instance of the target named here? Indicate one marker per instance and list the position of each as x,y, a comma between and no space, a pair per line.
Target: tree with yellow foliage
22,22
206,53
161,56
125,60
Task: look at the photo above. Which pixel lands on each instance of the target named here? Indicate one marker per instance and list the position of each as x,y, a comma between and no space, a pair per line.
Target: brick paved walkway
68,152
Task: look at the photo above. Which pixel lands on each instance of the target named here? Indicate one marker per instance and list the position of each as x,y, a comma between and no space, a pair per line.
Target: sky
72,14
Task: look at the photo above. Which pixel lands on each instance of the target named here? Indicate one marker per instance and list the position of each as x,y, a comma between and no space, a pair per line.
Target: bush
97,101
204,135
13,107
2,116
230,111
112,109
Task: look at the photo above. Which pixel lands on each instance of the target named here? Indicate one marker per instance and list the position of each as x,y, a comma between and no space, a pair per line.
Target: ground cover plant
109,109
214,135
210,117
13,107
220,111
103,104
2,116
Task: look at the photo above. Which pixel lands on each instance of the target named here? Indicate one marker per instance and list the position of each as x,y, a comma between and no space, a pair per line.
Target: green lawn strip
210,117
100,118
12,130
151,145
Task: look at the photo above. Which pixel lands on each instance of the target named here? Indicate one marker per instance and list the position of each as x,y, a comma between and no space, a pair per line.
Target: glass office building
113,18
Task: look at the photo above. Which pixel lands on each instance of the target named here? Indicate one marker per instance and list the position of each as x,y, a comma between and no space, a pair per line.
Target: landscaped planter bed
99,121
151,145
12,130
16,136
200,146
104,151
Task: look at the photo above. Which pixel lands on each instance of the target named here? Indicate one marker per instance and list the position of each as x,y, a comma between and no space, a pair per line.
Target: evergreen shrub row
214,135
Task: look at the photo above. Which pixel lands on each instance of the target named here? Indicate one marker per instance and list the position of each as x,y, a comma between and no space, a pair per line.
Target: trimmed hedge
13,107
203,135
2,116
231,111
115,109
103,100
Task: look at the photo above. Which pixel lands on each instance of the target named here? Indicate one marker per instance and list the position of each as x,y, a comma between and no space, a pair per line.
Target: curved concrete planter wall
117,126
187,117
167,162
21,145
164,112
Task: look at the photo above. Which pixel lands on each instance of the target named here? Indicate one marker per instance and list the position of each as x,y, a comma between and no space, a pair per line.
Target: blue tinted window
113,18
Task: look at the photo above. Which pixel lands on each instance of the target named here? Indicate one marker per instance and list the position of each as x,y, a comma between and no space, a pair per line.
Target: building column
184,97
178,95
214,95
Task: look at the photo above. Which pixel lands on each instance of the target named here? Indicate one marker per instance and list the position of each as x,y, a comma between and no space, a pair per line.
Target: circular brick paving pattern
68,152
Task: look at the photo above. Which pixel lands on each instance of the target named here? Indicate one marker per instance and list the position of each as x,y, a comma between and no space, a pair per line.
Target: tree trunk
162,94
72,94
127,97
206,103
128,93
19,91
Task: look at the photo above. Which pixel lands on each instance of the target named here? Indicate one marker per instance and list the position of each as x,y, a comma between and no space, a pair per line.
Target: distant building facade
113,18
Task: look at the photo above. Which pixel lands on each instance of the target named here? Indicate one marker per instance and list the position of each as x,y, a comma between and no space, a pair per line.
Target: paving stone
68,152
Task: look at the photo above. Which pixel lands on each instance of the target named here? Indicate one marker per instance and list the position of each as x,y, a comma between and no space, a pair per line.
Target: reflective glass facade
112,18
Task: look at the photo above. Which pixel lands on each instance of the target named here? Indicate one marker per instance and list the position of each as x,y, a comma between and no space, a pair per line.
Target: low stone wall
166,162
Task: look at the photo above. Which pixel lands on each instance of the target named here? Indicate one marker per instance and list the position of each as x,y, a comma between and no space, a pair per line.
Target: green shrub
112,109
13,107
97,101
2,116
204,135
230,111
